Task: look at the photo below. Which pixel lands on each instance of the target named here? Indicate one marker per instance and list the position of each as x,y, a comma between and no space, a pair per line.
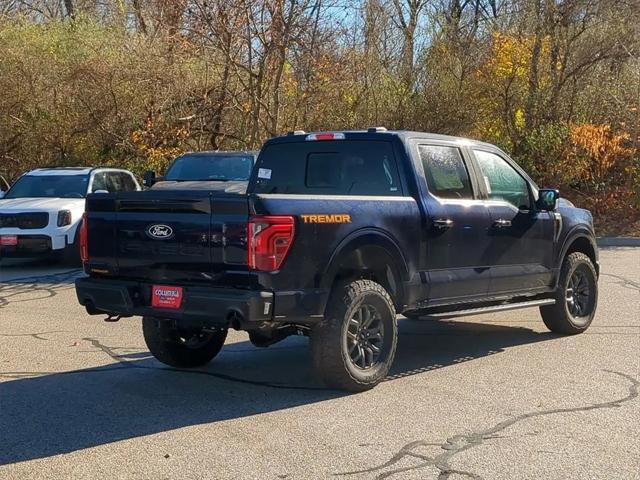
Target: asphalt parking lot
493,396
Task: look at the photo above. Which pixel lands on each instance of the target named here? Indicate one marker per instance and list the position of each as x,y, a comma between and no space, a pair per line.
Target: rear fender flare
367,248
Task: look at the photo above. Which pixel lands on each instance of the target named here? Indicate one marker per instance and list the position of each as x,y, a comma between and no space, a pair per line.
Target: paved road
493,396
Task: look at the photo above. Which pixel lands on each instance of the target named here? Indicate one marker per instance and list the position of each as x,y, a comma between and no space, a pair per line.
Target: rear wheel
576,297
181,348
354,346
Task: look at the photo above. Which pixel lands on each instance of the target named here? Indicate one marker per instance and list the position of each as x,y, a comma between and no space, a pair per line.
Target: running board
494,308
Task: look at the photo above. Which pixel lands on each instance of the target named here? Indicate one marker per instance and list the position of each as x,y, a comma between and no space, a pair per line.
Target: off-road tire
167,344
329,349
558,317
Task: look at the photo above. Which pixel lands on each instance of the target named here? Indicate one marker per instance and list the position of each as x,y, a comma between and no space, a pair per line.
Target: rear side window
446,174
128,185
341,167
114,182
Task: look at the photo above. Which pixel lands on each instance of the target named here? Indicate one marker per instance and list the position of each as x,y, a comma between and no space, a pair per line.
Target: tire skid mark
19,375
36,335
44,286
623,281
456,444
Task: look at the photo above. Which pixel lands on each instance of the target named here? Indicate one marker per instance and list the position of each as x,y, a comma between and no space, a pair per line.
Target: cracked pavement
487,397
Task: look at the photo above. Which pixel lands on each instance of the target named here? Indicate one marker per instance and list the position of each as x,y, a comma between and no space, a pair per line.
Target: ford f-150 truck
337,233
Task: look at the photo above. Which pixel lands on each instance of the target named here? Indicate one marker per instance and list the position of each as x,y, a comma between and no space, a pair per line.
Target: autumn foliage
127,83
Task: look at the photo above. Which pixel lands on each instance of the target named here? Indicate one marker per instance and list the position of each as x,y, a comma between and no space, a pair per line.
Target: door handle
502,223
443,223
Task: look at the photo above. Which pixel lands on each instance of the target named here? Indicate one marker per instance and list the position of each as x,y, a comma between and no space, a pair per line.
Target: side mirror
547,199
149,178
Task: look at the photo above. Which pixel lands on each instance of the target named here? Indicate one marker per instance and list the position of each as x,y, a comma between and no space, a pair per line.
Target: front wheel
576,297
181,348
354,345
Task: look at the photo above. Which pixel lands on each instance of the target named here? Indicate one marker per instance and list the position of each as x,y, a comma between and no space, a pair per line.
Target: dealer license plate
166,296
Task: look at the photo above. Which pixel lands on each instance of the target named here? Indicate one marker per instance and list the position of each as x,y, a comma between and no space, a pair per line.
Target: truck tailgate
168,236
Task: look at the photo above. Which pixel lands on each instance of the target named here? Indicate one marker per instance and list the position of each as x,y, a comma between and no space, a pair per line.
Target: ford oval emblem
160,232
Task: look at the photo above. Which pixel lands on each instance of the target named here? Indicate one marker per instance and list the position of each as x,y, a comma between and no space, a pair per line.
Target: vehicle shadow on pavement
44,414
37,271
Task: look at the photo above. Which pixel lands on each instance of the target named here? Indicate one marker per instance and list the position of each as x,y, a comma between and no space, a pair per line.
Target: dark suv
337,233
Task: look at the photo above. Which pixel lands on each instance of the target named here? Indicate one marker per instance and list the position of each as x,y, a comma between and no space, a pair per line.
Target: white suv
40,213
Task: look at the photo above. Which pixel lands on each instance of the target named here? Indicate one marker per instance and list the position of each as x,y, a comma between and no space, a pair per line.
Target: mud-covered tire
335,339
563,316
177,348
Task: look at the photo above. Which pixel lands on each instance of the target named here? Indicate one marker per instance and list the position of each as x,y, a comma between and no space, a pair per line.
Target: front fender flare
571,237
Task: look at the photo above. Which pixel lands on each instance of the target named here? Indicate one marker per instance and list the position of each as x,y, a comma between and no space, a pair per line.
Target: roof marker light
325,136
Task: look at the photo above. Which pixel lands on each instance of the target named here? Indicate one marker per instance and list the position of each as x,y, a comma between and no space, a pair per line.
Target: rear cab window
338,167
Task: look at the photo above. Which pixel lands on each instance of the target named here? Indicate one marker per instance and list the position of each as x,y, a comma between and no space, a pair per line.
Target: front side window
99,182
503,182
446,174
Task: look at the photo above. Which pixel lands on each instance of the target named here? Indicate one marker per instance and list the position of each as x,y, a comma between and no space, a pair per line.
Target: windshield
213,167
49,186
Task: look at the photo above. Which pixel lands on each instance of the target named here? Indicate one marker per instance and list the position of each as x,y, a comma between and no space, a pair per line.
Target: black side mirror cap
149,178
547,199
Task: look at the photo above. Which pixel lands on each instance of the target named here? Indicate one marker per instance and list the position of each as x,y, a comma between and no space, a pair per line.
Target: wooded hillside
556,83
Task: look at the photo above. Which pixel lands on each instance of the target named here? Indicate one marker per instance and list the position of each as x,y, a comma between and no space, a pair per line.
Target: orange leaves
596,151
158,143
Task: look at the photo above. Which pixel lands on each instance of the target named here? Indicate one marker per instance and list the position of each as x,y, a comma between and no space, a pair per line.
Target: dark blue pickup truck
336,234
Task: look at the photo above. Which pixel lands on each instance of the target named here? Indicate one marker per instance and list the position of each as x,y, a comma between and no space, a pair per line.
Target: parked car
229,171
40,213
337,233
4,186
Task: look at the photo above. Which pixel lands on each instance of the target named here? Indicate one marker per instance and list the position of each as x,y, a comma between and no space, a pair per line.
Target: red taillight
269,238
83,238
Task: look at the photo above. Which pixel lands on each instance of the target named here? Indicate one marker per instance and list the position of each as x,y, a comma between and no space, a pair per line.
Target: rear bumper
201,306
28,246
